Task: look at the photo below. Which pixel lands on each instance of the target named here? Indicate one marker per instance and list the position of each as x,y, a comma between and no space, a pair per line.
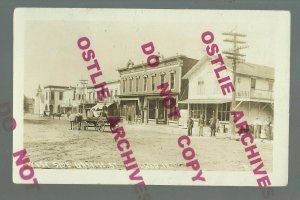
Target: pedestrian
265,130
256,124
201,124
78,120
190,124
213,122
72,120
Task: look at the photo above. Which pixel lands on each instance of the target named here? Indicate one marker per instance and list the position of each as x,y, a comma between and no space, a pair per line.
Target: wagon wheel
100,126
85,125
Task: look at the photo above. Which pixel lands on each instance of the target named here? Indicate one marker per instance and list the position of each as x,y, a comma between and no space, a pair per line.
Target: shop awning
204,101
100,105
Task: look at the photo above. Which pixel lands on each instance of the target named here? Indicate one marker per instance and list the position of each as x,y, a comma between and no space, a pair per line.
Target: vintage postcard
151,97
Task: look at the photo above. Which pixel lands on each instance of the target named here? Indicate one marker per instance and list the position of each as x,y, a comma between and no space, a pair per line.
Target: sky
52,57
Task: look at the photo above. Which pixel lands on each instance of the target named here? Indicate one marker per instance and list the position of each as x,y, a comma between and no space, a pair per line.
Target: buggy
98,123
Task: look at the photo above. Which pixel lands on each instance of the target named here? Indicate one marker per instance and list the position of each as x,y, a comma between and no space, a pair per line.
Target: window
79,96
145,83
271,82
116,92
61,94
253,83
152,109
93,95
172,80
52,95
153,82
130,85
137,84
111,94
200,89
223,112
162,79
74,94
46,95
90,94
197,110
124,86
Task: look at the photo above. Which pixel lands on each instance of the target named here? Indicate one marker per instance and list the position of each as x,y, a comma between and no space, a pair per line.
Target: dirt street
51,144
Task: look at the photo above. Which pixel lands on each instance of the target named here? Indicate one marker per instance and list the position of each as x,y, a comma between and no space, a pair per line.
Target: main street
154,146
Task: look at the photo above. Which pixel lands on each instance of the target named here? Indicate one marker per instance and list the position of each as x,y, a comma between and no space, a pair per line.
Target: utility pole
83,84
234,55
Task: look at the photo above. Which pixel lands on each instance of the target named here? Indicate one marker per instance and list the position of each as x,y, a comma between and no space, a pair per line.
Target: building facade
61,99
139,96
254,92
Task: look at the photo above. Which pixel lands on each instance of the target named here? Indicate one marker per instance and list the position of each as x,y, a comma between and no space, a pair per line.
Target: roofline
57,86
161,61
108,82
205,58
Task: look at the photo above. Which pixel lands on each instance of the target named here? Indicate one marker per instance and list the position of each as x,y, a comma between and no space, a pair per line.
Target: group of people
212,122
260,129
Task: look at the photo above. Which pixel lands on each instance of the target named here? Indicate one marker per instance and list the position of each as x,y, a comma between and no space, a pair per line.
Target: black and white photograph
165,73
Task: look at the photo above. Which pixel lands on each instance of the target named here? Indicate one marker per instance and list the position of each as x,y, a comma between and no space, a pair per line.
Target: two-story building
254,92
54,98
111,102
139,96
61,99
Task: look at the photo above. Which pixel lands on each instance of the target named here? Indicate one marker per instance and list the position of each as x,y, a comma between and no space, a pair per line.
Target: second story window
61,95
130,85
52,95
253,83
162,79
116,92
153,83
124,86
271,85
200,86
111,93
172,80
145,84
74,94
137,84
46,95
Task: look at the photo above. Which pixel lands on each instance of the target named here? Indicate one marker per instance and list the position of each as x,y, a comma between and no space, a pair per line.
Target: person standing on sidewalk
72,120
190,124
201,124
213,122
257,126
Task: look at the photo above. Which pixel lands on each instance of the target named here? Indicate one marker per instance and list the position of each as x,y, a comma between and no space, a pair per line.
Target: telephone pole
83,86
236,57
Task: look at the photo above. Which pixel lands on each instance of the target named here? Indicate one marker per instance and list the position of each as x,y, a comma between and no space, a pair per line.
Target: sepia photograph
175,80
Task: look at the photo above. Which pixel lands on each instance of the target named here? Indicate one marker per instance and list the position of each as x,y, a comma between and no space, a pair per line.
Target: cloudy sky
51,54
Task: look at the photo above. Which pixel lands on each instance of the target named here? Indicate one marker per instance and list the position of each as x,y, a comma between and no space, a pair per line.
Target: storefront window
152,108
224,112
197,110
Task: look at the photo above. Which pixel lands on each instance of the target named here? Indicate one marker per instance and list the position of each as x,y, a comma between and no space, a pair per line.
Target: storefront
207,108
130,109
